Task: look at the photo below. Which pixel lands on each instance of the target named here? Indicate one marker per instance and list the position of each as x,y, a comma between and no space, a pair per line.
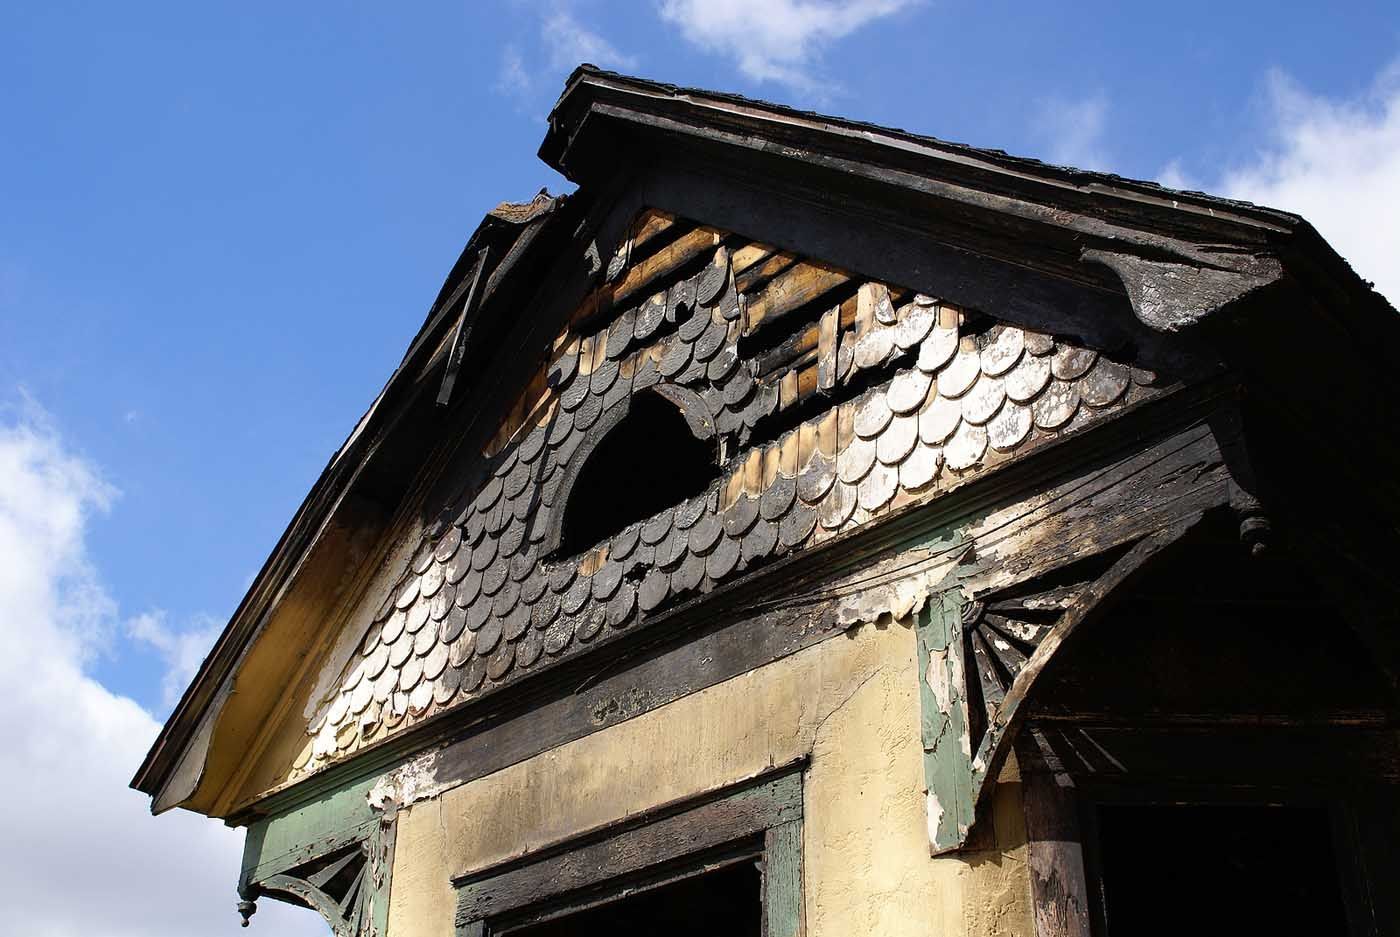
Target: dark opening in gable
648,462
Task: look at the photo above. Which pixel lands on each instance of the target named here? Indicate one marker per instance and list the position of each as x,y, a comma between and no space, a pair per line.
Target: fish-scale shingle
480,602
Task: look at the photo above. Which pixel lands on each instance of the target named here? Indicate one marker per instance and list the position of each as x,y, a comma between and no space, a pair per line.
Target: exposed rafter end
1172,297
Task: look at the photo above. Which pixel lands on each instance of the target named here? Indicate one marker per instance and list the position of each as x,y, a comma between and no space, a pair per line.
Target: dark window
722,903
648,462
1218,870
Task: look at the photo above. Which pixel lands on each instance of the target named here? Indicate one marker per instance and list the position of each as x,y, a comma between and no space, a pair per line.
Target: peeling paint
935,816
937,677
407,784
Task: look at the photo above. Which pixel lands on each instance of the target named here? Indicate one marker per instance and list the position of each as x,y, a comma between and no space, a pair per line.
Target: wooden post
1059,887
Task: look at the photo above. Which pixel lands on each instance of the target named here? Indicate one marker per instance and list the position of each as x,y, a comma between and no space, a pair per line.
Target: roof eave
1253,245
590,90
500,228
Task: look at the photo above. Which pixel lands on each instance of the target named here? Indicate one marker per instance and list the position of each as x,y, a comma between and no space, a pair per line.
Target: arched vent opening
650,461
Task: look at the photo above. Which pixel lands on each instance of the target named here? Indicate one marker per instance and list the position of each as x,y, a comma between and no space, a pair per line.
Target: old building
811,527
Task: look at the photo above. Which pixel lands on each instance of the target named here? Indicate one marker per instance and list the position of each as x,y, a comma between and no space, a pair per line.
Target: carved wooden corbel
981,656
348,885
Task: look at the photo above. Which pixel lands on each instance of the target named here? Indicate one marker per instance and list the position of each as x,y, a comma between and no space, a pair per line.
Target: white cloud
570,43
86,856
1336,163
514,78
183,650
774,40
1174,176
565,43
1073,130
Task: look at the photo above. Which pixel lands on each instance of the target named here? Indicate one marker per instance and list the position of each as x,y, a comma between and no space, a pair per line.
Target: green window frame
760,821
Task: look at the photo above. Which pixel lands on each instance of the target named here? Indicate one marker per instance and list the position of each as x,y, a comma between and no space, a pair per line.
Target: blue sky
220,224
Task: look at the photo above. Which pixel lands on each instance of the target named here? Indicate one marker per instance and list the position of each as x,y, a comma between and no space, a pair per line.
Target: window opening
1218,870
648,462
725,901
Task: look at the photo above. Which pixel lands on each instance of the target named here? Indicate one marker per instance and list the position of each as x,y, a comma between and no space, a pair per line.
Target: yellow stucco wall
850,704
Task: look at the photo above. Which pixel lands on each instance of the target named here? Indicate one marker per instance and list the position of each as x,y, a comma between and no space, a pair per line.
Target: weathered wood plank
750,254
761,270
944,719
793,288
1059,887
708,657
790,350
685,249
828,336
782,881
652,223
639,276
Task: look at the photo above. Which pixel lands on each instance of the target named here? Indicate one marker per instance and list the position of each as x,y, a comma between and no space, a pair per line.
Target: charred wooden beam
462,335
791,290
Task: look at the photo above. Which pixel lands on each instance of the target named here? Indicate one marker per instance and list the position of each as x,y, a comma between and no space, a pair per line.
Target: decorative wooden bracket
348,886
982,656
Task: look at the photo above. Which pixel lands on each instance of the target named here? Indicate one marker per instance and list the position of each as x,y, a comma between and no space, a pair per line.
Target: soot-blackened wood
877,243
463,333
756,274
650,225
1089,605
1059,887
1262,757
641,275
629,687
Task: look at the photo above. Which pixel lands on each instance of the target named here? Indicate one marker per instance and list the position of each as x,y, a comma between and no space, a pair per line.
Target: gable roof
1114,234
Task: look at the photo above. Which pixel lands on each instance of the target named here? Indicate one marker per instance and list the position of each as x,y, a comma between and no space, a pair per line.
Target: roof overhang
1098,229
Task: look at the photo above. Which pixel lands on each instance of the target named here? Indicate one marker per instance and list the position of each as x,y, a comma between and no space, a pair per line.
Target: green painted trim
278,846
759,819
944,719
331,821
782,881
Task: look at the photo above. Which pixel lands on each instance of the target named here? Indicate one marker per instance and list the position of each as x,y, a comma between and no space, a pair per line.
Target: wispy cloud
559,43
777,41
1334,161
570,43
1337,163
182,650
514,78
1072,130
70,743
1174,175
